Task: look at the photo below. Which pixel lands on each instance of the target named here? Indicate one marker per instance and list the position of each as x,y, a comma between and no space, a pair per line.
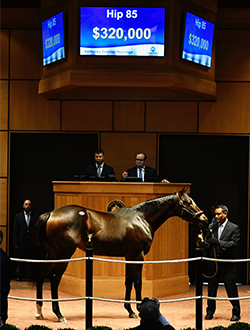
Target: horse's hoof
133,316
39,316
62,319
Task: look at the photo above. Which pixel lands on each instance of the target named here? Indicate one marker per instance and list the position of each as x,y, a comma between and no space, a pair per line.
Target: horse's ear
183,190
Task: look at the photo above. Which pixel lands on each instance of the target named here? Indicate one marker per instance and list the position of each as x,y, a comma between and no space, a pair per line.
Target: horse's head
189,210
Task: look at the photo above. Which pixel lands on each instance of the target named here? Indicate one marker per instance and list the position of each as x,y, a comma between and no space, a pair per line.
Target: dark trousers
21,270
4,307
232,292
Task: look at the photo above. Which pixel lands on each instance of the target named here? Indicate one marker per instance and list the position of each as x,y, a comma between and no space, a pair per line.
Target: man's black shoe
235,318
209,316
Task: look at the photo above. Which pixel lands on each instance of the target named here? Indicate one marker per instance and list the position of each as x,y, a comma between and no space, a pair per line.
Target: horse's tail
37,249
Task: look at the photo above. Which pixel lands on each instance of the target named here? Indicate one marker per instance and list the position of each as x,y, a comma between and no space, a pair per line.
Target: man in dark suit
22,228
99,168
141,170
222,238
5,278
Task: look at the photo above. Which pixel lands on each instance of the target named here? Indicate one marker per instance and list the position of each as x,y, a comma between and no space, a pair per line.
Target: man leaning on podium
141,170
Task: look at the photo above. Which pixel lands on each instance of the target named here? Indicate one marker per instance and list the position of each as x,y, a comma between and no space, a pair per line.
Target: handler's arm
234,240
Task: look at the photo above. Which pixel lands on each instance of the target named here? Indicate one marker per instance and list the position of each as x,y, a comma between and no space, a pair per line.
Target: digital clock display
53,39
118,31
198,40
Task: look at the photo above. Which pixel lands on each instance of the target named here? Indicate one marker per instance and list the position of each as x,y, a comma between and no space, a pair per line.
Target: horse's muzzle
200,216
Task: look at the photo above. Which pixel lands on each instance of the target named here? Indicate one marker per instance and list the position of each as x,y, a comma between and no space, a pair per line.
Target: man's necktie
140,173
99,172
28,219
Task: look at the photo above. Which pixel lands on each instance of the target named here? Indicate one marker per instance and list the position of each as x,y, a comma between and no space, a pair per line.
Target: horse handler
222,238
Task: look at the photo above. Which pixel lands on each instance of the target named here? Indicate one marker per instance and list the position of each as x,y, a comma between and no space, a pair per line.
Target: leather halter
184,208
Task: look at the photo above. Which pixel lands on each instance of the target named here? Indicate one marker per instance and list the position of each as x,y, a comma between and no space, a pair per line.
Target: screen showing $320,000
121,31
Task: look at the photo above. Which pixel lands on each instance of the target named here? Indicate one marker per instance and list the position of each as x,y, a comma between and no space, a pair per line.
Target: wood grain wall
128,125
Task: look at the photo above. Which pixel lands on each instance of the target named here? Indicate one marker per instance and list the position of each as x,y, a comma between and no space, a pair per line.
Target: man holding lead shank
222,238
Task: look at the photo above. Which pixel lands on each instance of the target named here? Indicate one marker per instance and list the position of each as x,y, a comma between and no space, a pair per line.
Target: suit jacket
150,172
91,171
229,240
22,232
5,271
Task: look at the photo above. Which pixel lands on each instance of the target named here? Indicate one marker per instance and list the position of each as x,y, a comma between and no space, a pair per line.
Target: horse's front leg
128,285
39,304
55,279
138,283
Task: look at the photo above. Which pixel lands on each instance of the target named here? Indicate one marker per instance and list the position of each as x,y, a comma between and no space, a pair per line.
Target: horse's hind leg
43,271
39,304
55,278
129,284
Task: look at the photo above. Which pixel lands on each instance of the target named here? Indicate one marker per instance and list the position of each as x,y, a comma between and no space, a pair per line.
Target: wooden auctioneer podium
170,241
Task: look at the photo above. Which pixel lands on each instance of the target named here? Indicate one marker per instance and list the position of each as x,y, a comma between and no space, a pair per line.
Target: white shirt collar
224,223
101,166
25,213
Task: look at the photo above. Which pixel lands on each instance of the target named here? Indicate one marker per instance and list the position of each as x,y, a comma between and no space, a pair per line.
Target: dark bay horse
126,232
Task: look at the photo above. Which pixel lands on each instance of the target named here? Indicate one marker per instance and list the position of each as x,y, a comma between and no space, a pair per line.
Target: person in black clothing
99,168
150,315
211,215
221,240
24,223
5,278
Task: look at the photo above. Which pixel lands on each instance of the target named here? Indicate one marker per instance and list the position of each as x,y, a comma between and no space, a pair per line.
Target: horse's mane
37,250
153,204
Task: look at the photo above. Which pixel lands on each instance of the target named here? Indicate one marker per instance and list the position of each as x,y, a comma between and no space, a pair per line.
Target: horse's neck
158,210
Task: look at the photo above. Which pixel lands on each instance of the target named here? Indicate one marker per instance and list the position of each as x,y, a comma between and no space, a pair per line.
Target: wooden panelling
3,153
232,55
129,116
171,117
131,93
230,113
121,148
3,202
4,105
4,58
25,54
86,116
62,199
30,111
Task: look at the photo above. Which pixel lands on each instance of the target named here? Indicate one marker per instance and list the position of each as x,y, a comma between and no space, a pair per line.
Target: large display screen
198,40
118,31
53,39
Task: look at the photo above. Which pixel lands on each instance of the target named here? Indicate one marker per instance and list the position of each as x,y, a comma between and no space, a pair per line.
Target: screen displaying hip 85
119,31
